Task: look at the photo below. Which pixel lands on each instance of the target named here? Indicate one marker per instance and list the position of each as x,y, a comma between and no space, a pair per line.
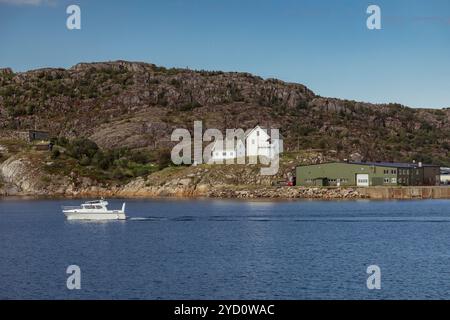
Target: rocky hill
112,122
137,105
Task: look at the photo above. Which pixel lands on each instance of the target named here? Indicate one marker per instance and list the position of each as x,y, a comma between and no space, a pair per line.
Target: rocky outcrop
19,177
137,105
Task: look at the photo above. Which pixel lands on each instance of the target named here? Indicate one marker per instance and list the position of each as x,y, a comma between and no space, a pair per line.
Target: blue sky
323,44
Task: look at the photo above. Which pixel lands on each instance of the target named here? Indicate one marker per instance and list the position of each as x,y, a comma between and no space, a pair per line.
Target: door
362,180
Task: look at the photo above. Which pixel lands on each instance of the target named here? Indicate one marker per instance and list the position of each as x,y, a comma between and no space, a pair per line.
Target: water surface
224,249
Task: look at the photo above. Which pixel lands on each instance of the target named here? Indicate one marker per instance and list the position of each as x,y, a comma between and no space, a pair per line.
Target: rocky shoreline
21,176
225,192
242,192
289,193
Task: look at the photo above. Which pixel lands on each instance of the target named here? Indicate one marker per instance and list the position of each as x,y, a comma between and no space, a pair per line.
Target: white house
259,143
256,142
445,176
227,149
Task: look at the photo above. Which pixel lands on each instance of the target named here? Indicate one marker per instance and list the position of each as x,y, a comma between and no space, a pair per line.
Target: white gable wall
256,140
258,144
225,152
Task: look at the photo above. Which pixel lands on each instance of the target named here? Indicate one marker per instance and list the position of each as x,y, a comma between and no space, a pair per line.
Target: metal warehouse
365,174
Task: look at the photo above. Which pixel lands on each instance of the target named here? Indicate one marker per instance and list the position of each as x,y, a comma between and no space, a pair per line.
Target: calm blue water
222,249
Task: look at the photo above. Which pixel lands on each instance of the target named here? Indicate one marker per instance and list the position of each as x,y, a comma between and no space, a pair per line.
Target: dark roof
378,164
393,164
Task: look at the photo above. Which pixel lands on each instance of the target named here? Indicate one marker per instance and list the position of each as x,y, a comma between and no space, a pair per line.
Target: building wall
445,179
378,175
431,176
346,172
257,144
38,135
26,135
225,152
256,139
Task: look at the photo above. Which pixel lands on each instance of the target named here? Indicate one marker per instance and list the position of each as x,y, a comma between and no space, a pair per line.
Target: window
393,180
224,154
253,141
257,133
386,180
231,153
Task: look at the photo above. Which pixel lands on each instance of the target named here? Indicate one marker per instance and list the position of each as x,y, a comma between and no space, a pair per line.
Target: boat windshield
92,207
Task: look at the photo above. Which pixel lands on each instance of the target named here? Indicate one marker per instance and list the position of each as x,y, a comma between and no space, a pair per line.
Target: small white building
227,149
256,142
445,176
259,143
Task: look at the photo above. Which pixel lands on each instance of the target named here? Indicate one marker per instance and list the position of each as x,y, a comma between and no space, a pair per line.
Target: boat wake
146,219
289,219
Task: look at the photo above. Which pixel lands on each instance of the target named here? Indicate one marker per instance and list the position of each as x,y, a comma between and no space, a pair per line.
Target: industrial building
365,174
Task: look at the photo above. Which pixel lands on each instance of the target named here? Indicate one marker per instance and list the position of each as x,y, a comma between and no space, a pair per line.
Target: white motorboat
94,210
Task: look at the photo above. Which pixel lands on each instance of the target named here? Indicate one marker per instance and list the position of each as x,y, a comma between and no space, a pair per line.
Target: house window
257,133
386,180
231,153
253,141
224,154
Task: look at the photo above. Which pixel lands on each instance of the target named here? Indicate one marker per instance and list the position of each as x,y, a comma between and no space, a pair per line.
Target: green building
365,174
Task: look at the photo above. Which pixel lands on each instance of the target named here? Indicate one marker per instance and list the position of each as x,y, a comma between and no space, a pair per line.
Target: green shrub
176,83
85,160
82,147
141,157
55,154
190,106
164,158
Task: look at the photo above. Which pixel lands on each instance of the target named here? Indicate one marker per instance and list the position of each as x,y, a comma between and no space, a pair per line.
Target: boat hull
95,216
